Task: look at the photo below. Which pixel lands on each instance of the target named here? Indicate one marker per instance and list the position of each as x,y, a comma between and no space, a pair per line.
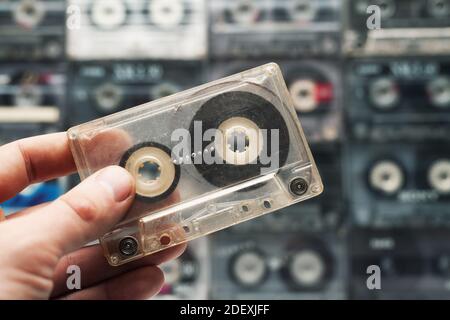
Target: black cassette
399,185
264,28
412,264
396,27
315,87
32,93
282,265
399,99
32,29
102,88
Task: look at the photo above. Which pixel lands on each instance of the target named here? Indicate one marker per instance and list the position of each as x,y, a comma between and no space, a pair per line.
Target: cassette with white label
138,29
203,160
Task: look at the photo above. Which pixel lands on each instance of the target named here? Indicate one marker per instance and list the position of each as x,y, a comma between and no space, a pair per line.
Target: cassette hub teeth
307,268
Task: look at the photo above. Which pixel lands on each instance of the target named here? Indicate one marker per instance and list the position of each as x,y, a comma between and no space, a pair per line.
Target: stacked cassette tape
368,80
303,37
397,167
267,28
32,30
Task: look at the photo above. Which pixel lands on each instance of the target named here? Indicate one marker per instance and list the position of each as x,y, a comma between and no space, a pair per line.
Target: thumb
83,214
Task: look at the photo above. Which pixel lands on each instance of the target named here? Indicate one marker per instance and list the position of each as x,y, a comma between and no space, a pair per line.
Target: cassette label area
139,29
246,28
204,159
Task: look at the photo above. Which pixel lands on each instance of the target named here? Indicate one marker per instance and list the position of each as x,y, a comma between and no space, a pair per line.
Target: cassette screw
128,246
298,186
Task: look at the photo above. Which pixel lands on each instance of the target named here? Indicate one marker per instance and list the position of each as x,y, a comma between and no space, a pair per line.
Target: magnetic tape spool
386,177
302,11
163,90
439,92
438,8
155,173
249,268
166,14
108,98
240,117
244,12
108,14
29,13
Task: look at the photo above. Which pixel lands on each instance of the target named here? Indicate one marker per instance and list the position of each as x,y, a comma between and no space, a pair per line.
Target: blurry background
370,84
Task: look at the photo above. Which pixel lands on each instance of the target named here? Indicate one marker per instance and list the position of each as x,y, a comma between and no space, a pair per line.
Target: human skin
39,243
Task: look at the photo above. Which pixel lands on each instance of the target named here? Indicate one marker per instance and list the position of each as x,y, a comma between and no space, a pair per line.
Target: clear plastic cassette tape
138,29
203,160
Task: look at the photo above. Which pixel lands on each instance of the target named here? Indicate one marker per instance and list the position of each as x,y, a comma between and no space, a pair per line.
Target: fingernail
118,181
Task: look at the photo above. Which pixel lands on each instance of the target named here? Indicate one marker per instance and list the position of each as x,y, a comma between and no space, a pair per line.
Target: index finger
33,160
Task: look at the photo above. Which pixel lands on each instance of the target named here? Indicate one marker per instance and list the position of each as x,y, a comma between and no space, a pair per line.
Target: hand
38,244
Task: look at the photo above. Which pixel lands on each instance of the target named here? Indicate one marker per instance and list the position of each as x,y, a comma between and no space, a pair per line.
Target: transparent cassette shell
195,207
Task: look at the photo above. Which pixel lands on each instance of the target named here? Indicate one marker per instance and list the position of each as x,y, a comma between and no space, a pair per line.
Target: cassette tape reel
400,185
398,99
419,27
31,94
285,264
187,188
315,90
102,88
139,29
32,29
264,28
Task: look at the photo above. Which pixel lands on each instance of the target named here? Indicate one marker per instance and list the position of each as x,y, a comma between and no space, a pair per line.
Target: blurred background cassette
187,277
405,27
373,100
32,30
268,28
138,29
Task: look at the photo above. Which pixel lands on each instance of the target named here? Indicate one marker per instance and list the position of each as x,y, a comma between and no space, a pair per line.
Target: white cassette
138,29
203,160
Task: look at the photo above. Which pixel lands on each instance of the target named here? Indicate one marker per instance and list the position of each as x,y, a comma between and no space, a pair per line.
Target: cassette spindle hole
186,229
245,208
267,204
298,186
